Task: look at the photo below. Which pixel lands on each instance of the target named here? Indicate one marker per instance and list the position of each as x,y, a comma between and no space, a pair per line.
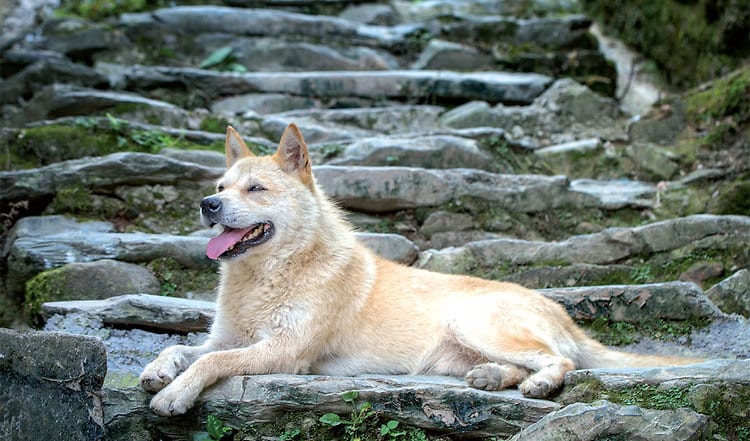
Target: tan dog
300,295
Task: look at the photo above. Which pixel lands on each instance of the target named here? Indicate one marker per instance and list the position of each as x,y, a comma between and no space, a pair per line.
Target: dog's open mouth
235,241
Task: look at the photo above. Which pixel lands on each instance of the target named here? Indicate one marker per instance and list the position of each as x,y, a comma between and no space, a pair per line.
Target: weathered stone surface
63,100
391,246
606,247
429,152
372,14
50,386
76,37
93,280
442,221
274,55
441,54
202,157
410,11
655,162
635,303
142,311
32,254
618,193
262,103
582,146
732,295
396,84
108,171
605,420
565,108
48,71
378,189
436,403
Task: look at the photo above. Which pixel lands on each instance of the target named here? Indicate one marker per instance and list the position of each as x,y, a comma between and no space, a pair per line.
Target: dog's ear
235,147
292,155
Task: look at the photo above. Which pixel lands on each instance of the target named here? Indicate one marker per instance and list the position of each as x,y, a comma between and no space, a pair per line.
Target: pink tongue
219,244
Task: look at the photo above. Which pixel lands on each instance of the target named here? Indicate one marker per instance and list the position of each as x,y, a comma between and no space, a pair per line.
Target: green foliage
222,59
329,151
176,279
216,430
691,42
44,287
362,423
214,124
624,333
99,9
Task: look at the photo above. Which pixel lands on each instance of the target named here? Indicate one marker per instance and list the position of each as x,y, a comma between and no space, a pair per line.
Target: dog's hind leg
514,349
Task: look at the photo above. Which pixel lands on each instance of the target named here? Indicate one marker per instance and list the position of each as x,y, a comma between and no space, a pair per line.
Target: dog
300,295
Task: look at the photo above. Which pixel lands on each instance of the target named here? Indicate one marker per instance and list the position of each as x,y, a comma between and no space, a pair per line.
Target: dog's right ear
235,147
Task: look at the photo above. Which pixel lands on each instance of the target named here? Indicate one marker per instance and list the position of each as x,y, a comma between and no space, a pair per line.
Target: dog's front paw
174,400
154,378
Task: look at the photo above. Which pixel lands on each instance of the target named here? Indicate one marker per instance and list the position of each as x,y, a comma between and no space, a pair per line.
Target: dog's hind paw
536,388
486,376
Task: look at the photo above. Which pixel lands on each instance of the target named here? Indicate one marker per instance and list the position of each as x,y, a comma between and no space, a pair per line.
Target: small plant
216,430
289,435
222,59
358,421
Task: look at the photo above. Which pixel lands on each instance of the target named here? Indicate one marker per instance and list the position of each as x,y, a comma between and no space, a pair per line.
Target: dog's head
261,199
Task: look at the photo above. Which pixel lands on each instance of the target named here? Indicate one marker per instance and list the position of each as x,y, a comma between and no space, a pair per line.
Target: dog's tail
593,354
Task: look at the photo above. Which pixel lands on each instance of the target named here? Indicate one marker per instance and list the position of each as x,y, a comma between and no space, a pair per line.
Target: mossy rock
88,281
735,198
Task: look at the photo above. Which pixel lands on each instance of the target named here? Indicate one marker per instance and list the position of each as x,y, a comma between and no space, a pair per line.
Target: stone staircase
474,137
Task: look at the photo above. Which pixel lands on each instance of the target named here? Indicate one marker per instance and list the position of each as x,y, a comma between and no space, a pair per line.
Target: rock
396,84
90,281
458,238
48,71
699,272
583,146
62,100
204,158
391,246
440,54
371,14
603,419
433,403
732,295
565,108
147,311
33,254
274,55
609,246
380,189
50,386
78,38
635,303
388,119
718,387
126,168
577,274
428,151
617,193
410,11
661,126
652,161
442,221
262,103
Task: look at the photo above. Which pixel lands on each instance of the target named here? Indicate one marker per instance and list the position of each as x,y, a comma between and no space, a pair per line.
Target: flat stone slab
605,420
50,386
609,246
141,310
635,303
395,84
443,404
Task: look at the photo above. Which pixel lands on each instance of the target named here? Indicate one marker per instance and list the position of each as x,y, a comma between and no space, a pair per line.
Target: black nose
211,204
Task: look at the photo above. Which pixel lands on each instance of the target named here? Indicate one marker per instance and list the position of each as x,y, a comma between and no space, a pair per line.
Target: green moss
727,96
99,9
691,42
44,287
622,333
214,124
176,280
735,198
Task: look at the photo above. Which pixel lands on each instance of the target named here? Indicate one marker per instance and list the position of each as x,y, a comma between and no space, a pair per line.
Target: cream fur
314,300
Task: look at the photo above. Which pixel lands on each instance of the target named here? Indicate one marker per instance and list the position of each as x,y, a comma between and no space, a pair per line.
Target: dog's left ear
235,147
292,155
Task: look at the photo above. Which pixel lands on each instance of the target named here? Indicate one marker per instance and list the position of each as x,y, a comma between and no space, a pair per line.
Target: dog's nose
211,204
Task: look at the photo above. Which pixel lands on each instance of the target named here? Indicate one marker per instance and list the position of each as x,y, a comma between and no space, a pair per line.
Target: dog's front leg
264,357
172,360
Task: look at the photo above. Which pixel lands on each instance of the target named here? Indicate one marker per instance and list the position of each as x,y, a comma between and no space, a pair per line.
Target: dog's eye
256,188
220,188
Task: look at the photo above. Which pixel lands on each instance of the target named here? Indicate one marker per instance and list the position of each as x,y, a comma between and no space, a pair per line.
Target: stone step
397,84
41,243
